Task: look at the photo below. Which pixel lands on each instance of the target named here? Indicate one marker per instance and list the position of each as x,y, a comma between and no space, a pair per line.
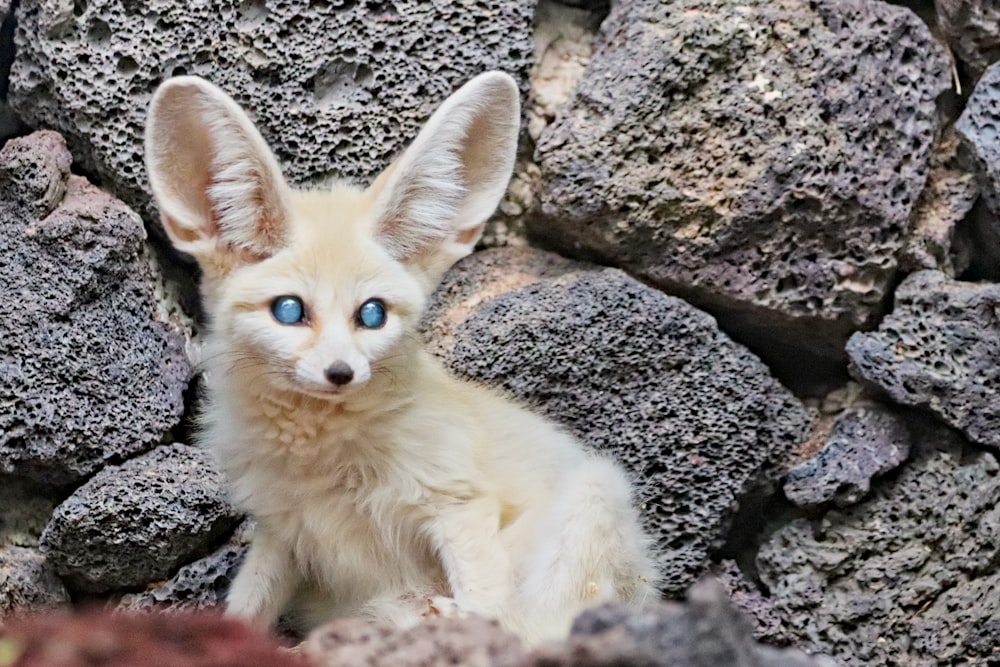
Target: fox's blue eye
371,314
288,309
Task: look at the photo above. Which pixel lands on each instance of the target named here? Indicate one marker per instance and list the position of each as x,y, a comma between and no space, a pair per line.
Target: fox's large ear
218,186
432,202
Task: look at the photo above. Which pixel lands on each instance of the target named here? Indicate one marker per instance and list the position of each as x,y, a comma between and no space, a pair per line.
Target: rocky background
751,248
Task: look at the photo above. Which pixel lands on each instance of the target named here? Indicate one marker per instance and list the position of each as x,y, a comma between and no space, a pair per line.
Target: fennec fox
381,486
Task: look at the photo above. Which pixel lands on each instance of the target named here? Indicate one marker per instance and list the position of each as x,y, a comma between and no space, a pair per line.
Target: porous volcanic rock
972,28
28,583
138,522
906,577
88,372
198,586
338,87
706,631
938,350
631,371
949,195
25,508
978,129
760,158
865,442
436,642
765,623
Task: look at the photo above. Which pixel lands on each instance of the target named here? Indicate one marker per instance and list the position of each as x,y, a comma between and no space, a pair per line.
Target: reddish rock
96,639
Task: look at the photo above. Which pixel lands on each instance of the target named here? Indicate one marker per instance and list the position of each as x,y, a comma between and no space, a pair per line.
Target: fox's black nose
339,373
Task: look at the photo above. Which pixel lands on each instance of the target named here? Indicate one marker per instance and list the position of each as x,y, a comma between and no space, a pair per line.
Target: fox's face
324,314
319,292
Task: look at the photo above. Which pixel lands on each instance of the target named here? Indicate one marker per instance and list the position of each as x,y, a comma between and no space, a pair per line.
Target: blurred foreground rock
95,639
703,632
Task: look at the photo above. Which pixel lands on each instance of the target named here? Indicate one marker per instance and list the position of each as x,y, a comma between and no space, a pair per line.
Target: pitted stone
761,159
140,521
630,371
866,441
938,350
89,372
906,577
337,87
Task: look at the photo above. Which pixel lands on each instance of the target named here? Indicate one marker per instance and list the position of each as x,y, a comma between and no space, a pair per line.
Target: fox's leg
466,537
407,610
265,583
589,549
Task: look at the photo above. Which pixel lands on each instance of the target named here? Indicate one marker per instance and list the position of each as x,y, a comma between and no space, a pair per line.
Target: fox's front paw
440,606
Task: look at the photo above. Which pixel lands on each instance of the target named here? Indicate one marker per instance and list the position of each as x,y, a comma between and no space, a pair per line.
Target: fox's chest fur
350,494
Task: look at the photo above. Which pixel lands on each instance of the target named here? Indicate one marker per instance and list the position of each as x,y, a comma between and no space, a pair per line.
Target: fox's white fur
404,491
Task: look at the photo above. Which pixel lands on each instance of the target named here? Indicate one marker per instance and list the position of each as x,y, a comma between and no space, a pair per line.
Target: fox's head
315,291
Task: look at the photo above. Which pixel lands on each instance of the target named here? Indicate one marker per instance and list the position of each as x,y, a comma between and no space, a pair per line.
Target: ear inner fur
436,197
218,185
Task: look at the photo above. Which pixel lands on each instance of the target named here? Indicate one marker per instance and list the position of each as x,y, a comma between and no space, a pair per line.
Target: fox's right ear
218,186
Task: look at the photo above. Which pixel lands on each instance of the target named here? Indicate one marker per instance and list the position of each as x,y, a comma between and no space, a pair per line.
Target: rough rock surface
760,158
437,642
338,87
138,522
28,583
972,28
978,129
628,370
865,442
906,577
938,350
949,195
25,508
199,586
704,632
766,624
88,374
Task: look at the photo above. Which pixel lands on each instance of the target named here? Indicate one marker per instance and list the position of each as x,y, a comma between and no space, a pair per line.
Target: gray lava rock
25,508
979,130
948,197
938,350
972,28
199,586
705,632
337,86
436,642
88,372
28,583
903,578
760,158
140,521
629,370
865,442
766,624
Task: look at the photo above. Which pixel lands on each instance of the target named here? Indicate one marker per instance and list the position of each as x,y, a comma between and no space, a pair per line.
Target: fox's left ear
432,202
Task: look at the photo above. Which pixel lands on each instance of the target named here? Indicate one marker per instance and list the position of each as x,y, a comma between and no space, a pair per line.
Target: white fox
381,486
